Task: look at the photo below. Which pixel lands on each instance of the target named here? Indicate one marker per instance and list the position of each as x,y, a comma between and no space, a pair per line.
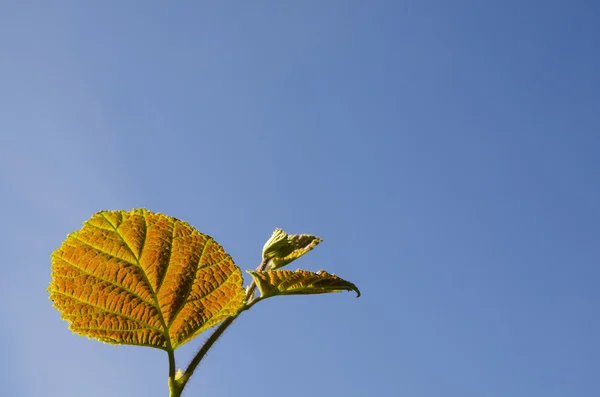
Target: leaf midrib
165,331
183,301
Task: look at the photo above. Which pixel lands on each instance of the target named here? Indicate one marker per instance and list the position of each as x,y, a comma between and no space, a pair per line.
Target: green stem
171,363
203,350
176,386
252,287
174,389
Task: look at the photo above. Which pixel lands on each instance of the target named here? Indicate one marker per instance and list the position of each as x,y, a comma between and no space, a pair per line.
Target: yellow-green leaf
299,282
282,249
143,278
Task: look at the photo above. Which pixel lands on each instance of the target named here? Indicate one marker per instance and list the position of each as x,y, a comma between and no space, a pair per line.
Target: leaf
282,249
299,282
141,278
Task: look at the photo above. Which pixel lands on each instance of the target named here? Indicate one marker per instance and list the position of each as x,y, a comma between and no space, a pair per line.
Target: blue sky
447,152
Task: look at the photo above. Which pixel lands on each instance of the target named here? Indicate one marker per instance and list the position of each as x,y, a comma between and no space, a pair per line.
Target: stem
171,363
176,386
174,389
204,349
252,287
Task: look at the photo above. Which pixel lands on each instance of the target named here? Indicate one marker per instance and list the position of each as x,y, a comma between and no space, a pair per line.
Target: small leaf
141,278
299,282
282,249
277,245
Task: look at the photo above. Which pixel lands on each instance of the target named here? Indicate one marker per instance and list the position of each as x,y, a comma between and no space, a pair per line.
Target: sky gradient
448,153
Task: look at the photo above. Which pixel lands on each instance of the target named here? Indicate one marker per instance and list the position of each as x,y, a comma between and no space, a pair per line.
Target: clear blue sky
448,152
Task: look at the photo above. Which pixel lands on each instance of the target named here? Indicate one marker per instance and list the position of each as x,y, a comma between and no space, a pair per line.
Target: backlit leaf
143,278
282,248
299,282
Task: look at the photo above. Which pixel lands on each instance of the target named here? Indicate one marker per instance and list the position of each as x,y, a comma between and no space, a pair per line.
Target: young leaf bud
282,249
277,246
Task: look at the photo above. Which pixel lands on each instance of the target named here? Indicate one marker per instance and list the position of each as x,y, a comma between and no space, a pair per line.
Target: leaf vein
191,287
130,292
162,277
164,332
89,244
214,290
104,310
